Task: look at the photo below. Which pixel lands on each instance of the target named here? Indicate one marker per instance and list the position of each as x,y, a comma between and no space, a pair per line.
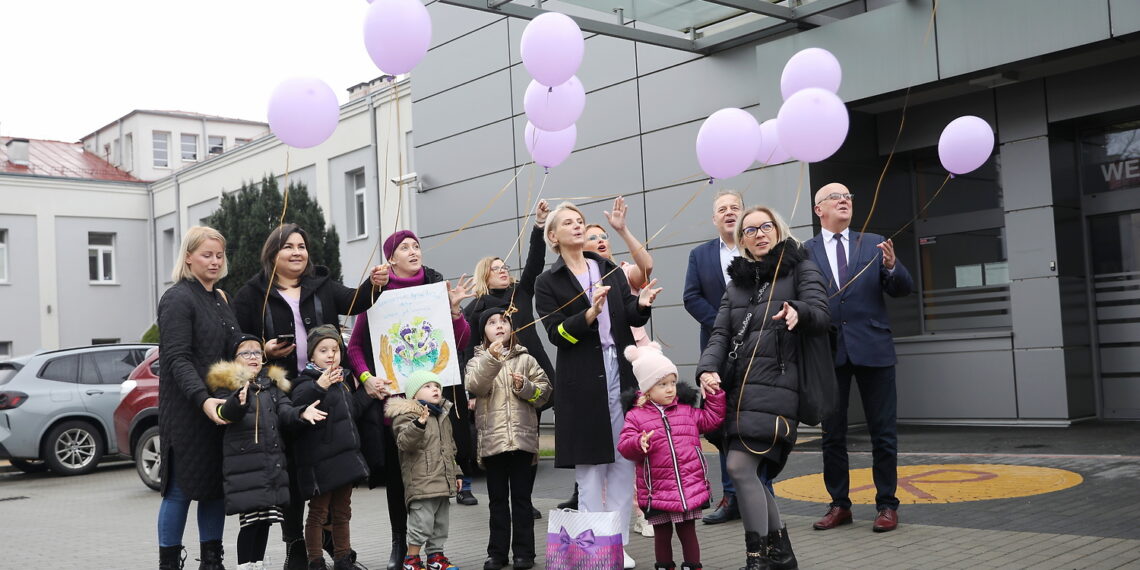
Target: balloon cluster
304,112
810,126
551,48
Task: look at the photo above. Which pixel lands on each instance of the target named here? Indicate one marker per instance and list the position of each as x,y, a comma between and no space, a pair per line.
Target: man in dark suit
862,267
705,282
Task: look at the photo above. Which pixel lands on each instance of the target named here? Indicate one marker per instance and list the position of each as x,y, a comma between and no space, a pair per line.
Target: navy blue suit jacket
704,286
859,312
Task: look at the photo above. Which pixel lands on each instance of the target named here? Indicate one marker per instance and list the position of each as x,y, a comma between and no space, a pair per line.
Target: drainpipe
152,229
177,208
119,158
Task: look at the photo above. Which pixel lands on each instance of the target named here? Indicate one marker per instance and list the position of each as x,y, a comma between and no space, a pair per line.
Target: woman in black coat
758,335
195,326
587,308
301,288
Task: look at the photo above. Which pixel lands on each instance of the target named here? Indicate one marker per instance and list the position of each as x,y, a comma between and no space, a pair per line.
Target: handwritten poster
411,330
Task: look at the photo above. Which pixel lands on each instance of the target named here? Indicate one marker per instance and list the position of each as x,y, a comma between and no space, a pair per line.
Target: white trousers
609,487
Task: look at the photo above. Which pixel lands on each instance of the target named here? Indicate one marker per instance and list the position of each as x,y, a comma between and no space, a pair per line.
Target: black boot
692,566
171,557
727,510
572,502
295,556
780,550
757,556
348,562
399,551
670,565
211,558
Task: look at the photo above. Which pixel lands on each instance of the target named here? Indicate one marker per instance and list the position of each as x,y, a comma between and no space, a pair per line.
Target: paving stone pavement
107,520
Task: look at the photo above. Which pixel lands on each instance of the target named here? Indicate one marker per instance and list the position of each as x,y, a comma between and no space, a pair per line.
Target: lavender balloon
728,142
554,108
812,124
303,112
552,48
965,144
549,148
397,34
812,67
770,150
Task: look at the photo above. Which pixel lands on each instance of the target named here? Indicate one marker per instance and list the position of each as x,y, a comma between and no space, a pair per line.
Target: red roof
61,160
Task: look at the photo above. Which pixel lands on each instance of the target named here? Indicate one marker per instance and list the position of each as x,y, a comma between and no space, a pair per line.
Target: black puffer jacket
195,328
253,452
322,302
763,397
328,454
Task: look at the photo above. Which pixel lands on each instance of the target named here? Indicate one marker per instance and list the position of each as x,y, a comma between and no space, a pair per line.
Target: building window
101,257
239,142
5,349
356,183
3,256
1112,158
116,152
189,147
216,145
161,149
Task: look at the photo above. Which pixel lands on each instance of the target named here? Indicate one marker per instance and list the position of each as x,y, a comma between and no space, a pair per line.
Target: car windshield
8,370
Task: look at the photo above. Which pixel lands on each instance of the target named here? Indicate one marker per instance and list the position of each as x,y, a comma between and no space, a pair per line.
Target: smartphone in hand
286,338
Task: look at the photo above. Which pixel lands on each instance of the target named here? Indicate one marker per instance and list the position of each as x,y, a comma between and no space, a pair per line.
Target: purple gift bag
578,540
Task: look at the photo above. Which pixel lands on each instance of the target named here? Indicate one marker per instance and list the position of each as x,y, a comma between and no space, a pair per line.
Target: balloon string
525,225
486,207
273,274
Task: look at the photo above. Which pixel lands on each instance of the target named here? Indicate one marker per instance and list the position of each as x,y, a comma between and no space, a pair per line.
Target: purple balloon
770,150
303,112
552,48
554,108
965,144
549,148
397,34
728,142
812,67
812,124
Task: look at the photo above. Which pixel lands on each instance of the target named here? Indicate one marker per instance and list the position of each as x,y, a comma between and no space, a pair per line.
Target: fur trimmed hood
230,375
751,274
400,406
686,394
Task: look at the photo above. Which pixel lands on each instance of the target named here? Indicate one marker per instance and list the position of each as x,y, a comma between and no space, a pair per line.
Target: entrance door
1114,241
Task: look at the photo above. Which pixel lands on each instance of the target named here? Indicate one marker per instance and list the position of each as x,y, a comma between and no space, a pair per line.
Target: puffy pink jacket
672,477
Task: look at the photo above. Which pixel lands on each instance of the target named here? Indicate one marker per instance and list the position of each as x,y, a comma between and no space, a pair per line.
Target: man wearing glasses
860,267
705,282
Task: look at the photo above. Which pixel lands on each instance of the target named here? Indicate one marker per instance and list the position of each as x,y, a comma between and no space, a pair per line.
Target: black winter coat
328,454
195,328
582,434
322,302
521,295
253,451
762,406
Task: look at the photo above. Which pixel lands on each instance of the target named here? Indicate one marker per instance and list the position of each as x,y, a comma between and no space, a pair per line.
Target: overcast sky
68,67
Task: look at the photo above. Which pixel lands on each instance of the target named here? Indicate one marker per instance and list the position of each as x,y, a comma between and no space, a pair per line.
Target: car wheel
148,458
73,448
29,465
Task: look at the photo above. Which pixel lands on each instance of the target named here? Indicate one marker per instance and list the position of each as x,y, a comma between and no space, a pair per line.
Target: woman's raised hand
379,276
312,415
648,293
599,299
616,218
789,314
541,212
464,289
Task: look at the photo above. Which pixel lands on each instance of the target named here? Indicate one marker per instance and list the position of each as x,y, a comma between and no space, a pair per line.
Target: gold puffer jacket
506,419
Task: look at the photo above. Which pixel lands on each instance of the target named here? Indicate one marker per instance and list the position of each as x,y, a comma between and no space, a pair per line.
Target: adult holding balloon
587,308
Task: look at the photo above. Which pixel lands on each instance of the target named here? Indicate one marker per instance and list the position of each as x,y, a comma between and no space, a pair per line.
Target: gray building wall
645,105
86,311
20,295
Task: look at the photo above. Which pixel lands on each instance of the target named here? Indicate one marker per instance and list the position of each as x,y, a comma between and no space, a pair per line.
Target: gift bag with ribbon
579,540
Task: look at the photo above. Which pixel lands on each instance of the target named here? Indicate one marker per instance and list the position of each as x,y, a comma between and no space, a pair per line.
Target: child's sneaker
413,563
437,561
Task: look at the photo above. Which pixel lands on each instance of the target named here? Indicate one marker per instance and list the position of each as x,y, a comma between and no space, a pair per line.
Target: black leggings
251,542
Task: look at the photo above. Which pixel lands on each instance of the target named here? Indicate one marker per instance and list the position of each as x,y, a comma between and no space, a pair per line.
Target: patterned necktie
840,260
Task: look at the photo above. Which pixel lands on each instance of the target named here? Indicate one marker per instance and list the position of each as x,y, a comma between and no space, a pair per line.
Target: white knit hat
649,364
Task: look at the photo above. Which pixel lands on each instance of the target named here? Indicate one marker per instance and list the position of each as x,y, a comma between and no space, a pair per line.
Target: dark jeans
880,405
510,478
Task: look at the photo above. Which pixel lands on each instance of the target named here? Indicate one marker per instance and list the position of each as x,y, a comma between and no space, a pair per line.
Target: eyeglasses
765,227
498,268
836,196
597,237
251,354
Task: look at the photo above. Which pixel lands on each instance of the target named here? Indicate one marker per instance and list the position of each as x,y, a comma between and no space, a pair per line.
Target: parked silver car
57,408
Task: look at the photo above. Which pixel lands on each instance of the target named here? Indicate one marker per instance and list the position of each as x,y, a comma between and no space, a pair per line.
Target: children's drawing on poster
411,330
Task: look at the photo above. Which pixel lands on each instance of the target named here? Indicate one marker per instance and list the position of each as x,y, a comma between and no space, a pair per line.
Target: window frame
358,184
210,145
164,136
182,147
101,250
5,350
4,267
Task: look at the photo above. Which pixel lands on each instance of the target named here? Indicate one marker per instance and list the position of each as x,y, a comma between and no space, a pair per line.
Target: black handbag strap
753,302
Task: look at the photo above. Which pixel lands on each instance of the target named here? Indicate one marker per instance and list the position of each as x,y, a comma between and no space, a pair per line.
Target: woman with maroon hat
406,269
